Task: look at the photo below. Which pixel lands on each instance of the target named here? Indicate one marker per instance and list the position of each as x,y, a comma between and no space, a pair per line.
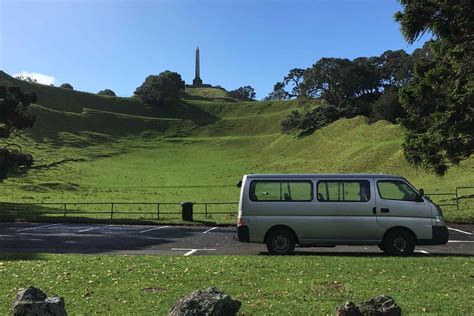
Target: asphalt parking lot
180,240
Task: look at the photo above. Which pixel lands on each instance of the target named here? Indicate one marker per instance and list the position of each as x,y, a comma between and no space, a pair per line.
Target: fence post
65,209
457,199
205,209
158,210
112,211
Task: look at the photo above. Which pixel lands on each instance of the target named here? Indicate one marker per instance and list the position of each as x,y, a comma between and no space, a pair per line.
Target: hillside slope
95,148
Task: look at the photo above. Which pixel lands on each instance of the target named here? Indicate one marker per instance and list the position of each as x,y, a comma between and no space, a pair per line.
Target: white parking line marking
149,230
460,240
423,252
87,229
210,229
460,231
37,227
190,251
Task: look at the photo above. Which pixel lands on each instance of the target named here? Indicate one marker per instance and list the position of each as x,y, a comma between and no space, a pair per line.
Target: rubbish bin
187,211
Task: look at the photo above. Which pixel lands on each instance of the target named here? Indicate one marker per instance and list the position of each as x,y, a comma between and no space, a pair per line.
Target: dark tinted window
343,191
289,191
396,190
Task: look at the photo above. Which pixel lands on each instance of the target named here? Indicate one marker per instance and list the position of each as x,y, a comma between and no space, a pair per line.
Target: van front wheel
280,242
399,243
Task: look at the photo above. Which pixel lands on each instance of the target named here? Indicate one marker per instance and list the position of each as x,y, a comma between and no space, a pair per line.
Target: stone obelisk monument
197,78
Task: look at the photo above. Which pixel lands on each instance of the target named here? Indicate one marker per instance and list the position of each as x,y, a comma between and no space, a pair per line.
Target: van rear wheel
399,243
280,242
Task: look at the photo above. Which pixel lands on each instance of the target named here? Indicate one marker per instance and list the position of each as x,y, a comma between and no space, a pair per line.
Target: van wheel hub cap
399,244
281,243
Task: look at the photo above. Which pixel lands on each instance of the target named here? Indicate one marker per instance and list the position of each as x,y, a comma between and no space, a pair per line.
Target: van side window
284,191
396,190
343,191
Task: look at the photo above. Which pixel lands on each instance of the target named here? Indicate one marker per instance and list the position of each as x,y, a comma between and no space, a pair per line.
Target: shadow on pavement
89,242
368,254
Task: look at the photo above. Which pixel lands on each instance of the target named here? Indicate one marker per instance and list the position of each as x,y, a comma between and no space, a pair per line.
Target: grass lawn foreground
117,284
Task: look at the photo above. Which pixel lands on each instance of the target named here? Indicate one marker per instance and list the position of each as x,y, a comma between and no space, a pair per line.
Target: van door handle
384,210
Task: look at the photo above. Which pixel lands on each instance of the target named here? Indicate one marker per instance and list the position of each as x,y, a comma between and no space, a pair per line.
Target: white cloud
40,78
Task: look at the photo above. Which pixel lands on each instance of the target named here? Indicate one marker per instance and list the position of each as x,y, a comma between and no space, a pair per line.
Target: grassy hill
206,92
97,148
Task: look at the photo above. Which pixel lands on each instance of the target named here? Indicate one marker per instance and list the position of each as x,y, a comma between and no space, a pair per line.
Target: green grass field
90,148
304,285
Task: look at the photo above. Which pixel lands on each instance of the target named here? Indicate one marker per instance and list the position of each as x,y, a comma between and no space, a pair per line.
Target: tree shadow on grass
188,96
186,111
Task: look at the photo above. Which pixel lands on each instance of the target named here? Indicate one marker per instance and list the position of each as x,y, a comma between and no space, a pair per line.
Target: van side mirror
239,184
419,198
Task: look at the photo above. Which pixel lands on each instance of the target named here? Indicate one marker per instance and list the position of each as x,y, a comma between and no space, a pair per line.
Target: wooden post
457,199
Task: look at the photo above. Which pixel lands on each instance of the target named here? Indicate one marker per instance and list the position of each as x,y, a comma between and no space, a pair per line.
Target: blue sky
98,44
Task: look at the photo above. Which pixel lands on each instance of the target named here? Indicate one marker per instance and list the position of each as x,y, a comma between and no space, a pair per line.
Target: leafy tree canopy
67,86
161,89
107,92
347,88
14,117
246,93
26,78
439,100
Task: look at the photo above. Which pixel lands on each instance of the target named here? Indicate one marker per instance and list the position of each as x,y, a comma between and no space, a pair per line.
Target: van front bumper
243,233
440,236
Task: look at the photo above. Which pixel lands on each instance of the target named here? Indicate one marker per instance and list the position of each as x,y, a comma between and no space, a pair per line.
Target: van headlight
439,220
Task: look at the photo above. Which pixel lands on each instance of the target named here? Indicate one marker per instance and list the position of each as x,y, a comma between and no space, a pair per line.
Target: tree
439,99
310,121
14,117
388,107
342,82
291,123
278,92
246,93
395,68
328,79
161,89
107,92
26,78
292,81
66,86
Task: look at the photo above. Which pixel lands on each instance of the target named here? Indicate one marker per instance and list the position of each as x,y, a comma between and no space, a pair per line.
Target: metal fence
461,199
118,210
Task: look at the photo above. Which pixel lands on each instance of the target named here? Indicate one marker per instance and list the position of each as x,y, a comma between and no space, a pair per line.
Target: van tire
280,241
399,243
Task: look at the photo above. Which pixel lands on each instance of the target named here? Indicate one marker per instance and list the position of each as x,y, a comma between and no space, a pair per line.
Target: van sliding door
344,211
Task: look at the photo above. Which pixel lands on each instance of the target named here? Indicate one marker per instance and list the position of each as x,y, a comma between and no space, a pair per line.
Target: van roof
326,175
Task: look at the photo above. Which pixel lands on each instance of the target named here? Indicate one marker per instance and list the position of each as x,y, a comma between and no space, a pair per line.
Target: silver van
316,210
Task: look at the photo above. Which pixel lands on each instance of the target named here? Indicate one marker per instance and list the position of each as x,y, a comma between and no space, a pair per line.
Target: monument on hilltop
197,81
